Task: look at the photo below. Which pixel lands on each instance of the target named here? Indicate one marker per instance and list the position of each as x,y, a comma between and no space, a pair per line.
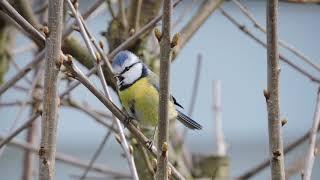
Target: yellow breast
143,98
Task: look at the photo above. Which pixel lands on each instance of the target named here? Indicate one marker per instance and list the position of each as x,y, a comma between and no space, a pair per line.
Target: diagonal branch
20,129
203,13
245,30
282,43
309,161
68,159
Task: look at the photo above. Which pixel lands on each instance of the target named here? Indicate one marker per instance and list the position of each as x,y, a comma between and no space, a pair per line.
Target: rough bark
164,92
272,94
50,99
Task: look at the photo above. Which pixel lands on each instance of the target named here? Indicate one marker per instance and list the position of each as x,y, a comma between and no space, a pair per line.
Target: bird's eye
126,69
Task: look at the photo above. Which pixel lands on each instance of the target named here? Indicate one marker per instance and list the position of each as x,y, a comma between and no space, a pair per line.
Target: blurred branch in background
282,43
203,13
245,30
309,160
67,159
29,170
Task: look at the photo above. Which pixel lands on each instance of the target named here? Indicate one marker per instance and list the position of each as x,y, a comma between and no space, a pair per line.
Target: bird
138,90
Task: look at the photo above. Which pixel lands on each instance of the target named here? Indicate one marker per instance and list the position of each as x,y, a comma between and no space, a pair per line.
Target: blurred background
227,55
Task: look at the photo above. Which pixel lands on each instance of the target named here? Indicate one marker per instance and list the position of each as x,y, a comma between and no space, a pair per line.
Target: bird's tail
188,122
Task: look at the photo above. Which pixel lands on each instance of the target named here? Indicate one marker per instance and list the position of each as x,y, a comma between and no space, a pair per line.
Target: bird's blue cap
120,58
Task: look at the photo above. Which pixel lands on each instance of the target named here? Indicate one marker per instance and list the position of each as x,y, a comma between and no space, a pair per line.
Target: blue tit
139,92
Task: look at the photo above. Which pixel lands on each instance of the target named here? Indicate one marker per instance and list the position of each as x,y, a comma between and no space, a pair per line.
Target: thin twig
265,163
89,112
76,73
32,132
137,15
309,161
50,96
16,66
22,73
195,85
282,43
111,9
21,128
36,36
26,26
23,106
203,13
96,155
68,159
124,143
262,43
122,12
272,93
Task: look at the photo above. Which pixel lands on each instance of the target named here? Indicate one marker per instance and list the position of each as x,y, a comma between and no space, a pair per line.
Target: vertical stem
272,94
313,136
221,146
165,60
50,97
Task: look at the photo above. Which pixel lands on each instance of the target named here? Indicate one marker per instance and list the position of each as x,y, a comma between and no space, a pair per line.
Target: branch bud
158,34
132,31
45,31
101,44
284,121
266,94
175,40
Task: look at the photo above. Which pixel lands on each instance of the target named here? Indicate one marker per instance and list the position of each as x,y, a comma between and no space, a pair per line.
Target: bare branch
50,96
95,155
137,15
272,97
309,161
123,16
32,132
164,92
203,13
22,72
39,38
282,43
21,128
68,159
259,41
110,9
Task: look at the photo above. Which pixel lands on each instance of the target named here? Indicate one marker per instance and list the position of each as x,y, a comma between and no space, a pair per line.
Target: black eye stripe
127,68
